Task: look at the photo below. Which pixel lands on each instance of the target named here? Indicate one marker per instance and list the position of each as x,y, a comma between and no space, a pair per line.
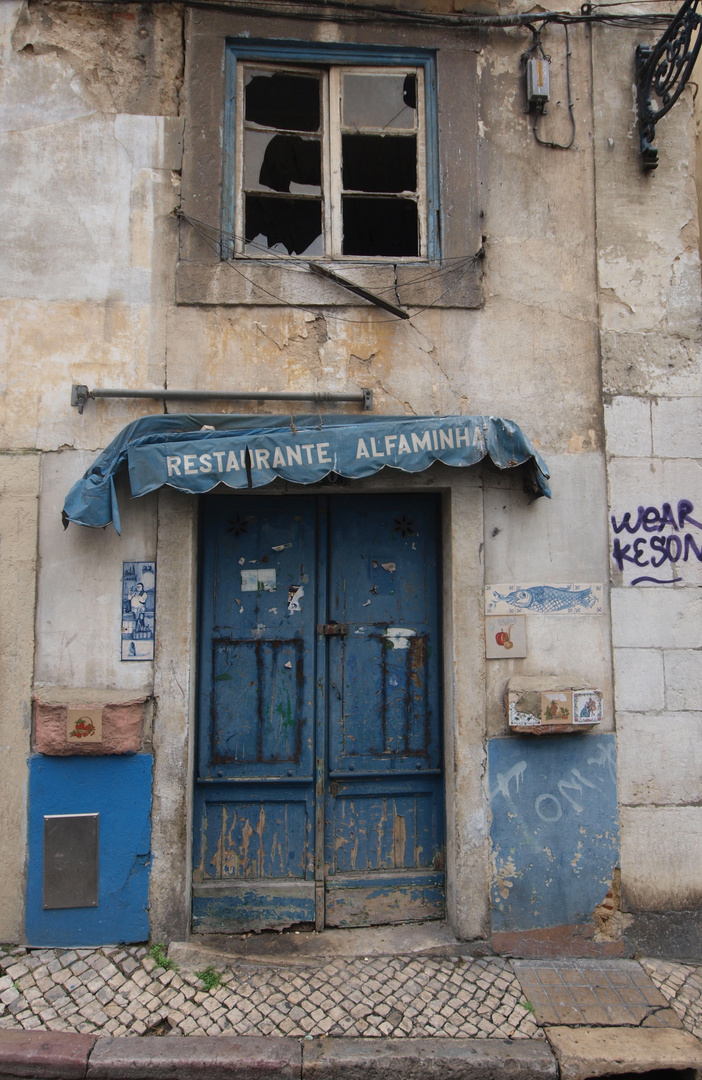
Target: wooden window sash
332,129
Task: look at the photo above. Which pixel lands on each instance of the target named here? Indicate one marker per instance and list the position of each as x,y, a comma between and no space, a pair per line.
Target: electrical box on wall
71,860
537,78
552,708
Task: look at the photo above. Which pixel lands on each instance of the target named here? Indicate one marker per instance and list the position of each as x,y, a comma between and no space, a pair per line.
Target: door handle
332,629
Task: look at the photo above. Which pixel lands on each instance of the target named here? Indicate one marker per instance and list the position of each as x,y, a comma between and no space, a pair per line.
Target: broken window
331,162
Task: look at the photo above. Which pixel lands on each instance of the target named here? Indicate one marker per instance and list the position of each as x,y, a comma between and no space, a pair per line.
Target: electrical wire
340,11
571,108
215,246
300,261
299,264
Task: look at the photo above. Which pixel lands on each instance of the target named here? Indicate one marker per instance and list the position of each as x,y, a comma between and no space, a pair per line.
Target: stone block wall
650,337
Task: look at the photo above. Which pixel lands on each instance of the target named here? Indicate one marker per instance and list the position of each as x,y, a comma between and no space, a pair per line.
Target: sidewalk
122,991
333,1005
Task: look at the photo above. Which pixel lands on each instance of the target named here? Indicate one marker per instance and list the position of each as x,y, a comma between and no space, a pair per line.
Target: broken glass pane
379,226
379,162
285,225
281,99
282,163
379,101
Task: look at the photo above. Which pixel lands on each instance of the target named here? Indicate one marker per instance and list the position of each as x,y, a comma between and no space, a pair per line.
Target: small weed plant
210,978
159,957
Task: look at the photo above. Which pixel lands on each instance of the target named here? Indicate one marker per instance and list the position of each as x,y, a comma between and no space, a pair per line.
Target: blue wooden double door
318,780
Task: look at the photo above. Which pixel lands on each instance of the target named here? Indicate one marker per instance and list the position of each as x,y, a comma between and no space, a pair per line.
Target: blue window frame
310,167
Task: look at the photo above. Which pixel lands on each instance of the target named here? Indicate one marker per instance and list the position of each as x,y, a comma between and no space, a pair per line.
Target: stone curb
428,1059
585,1053
219,1057
64,1056
58,1055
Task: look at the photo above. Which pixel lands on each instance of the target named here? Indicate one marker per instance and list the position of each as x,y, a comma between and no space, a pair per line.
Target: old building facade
371,677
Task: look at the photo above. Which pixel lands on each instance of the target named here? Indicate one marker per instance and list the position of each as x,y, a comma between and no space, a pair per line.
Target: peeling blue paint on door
319,784
555,828
119,790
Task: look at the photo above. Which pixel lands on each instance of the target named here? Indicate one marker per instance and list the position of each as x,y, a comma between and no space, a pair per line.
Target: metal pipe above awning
196,453
80,394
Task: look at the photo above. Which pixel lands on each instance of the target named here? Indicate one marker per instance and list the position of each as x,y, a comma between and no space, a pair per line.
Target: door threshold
306,946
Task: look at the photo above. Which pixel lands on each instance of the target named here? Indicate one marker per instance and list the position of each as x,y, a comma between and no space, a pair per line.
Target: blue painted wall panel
119,790
555,828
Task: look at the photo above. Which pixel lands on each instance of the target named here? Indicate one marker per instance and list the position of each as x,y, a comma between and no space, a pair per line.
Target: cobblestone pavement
681,985
122,991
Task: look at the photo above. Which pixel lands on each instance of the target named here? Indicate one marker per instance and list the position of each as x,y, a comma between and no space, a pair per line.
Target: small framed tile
505,637
524,709
557,707
138,610
587,707
83,726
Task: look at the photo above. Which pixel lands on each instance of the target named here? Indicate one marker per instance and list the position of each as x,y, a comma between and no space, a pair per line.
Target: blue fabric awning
195,453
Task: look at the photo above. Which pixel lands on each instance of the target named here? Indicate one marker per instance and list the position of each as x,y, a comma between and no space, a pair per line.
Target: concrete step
303,946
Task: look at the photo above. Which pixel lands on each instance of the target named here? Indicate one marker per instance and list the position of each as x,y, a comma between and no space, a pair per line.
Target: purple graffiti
656,550
655,580
651,519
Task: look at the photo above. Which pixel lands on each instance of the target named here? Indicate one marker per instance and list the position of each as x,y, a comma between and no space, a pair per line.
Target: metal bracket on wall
80,394
662,73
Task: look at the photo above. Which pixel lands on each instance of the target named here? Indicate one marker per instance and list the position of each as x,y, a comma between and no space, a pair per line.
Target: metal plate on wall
71,860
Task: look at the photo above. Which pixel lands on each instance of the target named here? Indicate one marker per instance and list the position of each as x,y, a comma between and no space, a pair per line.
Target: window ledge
261,282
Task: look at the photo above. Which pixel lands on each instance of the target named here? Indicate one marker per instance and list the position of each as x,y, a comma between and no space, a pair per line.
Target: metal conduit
80,394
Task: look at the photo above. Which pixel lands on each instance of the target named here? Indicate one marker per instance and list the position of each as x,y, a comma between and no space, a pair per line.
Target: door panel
258,838
383,832
254,795
257,700
365,900
384,805
319,767
384,674
255,867
388,859
257,639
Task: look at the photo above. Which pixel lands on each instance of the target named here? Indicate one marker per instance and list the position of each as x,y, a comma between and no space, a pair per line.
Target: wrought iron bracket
79,396
662,73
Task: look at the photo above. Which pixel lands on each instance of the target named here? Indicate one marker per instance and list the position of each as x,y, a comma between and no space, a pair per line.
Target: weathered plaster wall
90,139
84,267
464,686
127,60
19,495
174,688
79,611
556,541
649,294
554,831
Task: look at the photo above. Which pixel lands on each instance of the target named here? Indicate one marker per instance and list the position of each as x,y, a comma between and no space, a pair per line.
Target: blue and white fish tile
535,598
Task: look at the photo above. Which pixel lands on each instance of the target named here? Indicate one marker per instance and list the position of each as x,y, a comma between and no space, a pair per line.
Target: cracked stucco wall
91,133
